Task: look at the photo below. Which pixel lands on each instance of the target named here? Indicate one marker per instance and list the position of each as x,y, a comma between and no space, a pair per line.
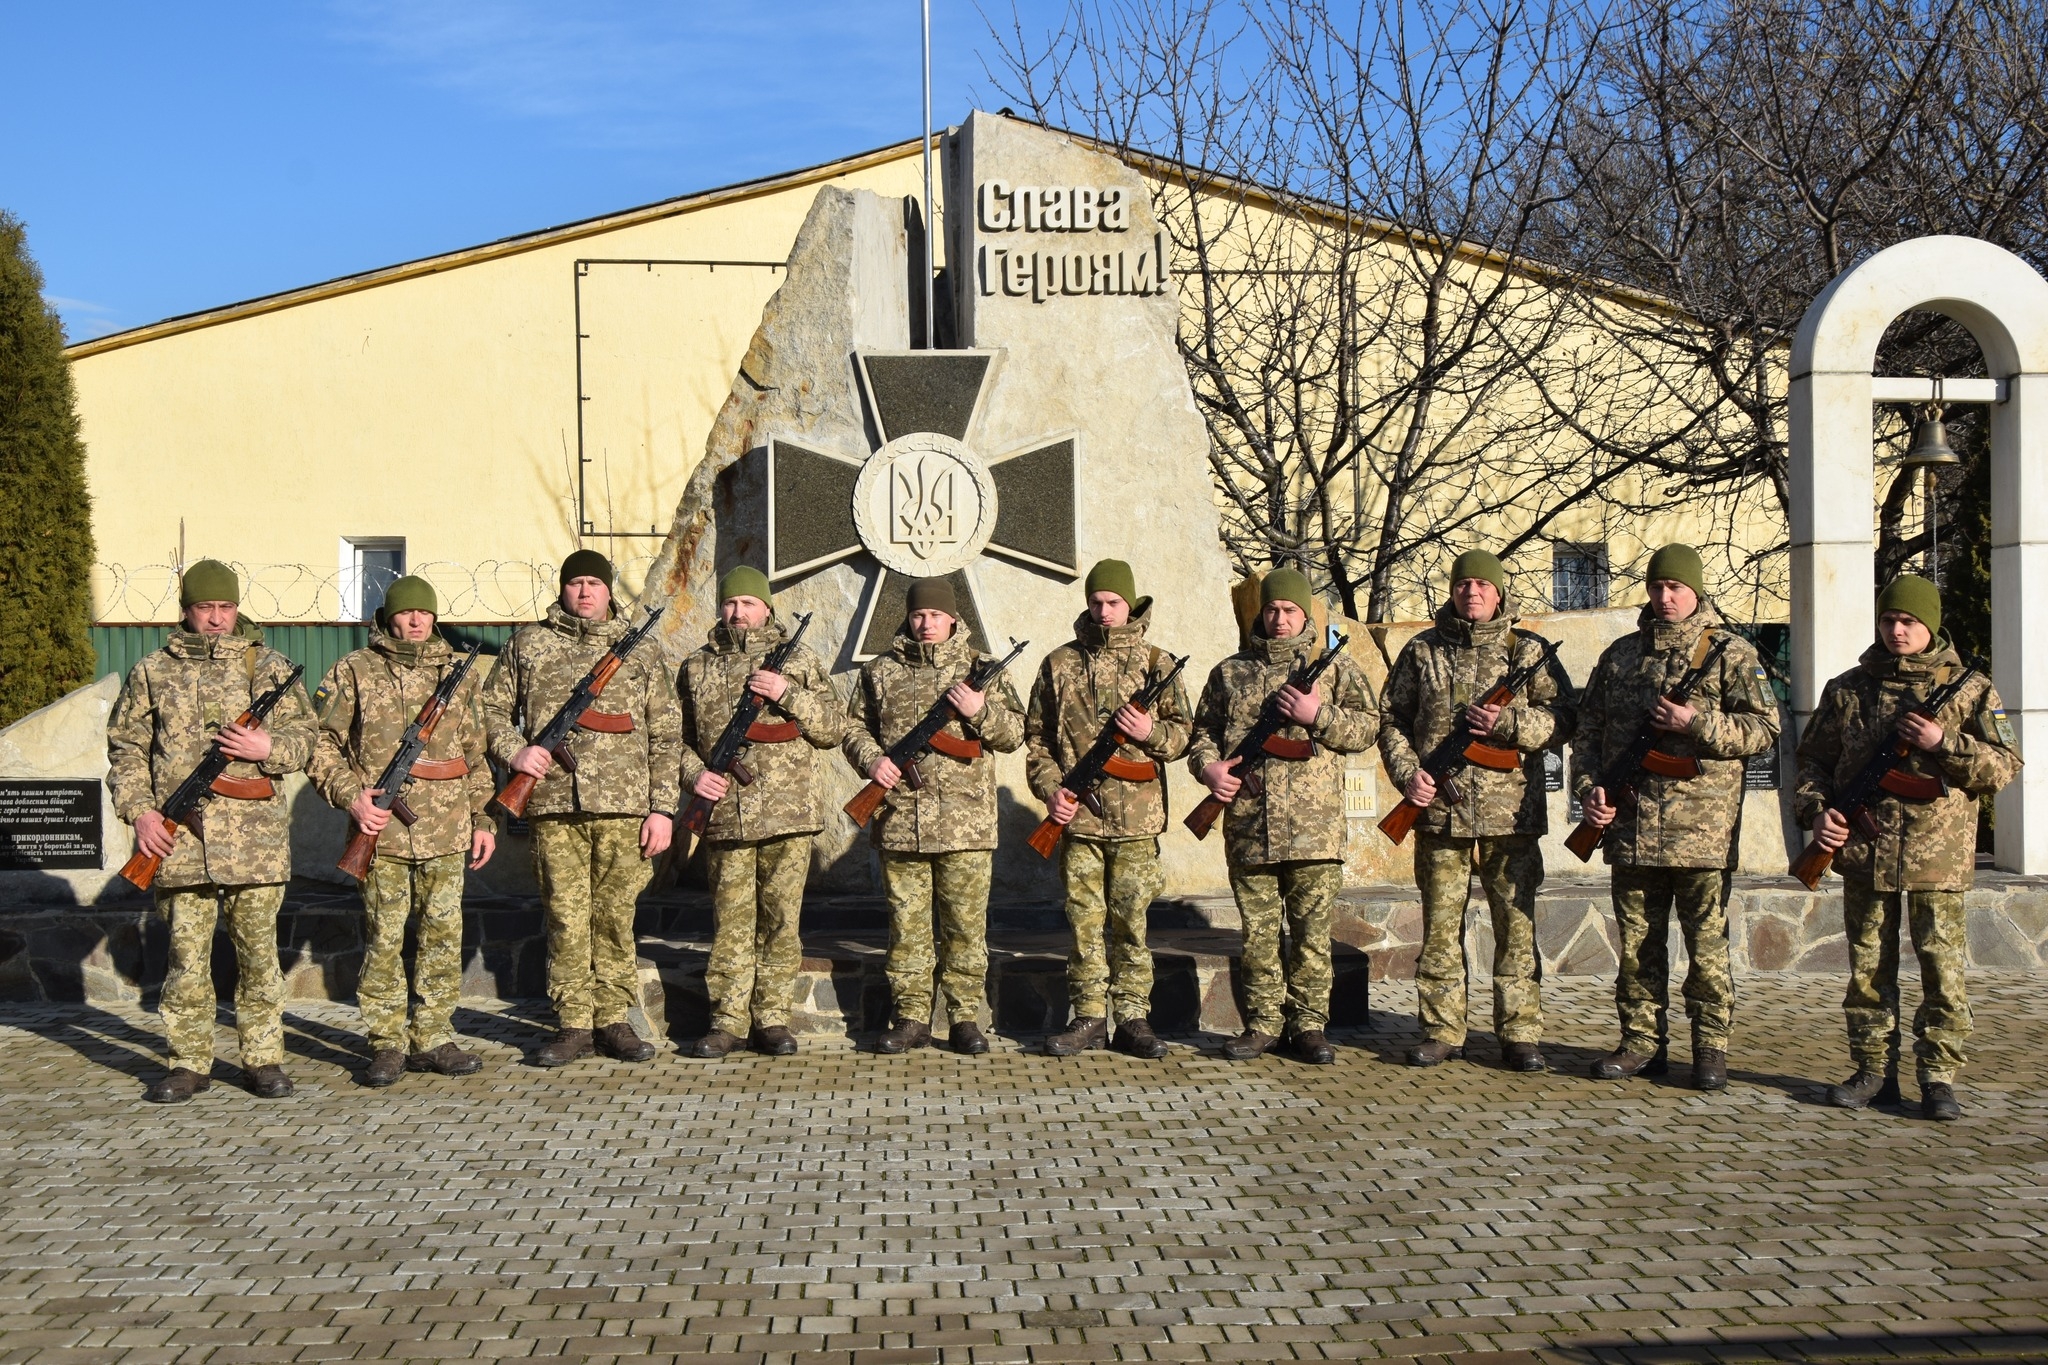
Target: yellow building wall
441,408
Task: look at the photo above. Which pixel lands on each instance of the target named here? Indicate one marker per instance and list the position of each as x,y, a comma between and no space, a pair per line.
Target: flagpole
931,340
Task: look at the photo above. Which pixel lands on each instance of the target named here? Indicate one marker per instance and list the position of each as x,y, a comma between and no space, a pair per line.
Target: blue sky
169,158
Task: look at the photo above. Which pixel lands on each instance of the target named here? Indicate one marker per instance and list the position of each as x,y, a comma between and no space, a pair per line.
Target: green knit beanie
1112,575
932,594
1678,564
1479,564
1287,585
1914,595
410,594
209,581
745,581
587,564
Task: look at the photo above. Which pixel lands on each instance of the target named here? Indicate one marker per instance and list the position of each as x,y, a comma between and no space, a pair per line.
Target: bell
1930,441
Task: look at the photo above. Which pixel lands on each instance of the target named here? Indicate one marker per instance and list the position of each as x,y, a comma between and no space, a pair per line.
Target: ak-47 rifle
1263,740
1085,778
741,731
1461,746
1618,780
554,737
362,845
1882,773
141,869
926,734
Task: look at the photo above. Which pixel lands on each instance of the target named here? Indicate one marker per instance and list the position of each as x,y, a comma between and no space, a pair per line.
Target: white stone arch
2004,303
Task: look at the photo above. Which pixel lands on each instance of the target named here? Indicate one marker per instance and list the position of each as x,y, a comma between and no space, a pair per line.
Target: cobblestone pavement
843,1206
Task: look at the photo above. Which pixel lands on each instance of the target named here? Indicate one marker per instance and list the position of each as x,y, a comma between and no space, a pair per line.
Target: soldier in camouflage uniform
1675,843
936,845
1925,851
365,704
1108,862
757,846
1284,833
594,830
1500,815
233,860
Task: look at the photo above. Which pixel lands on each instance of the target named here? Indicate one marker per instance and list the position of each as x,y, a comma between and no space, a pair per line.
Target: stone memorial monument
1058,428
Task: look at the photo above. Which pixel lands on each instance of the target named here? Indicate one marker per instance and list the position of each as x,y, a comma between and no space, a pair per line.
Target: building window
1578,577
369,566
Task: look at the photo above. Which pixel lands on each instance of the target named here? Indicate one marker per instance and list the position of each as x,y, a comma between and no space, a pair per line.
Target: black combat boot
176,1088
1313,1047
1864,1088
385,1068
1621,1063
1083,1034
571,1044
445,1060
903,1035
1938,1101
1249,1044
620,1042
775,1041
269,1083
1709,1069
1433,1052
966,1039
1136,1038
1521,1057
715,1044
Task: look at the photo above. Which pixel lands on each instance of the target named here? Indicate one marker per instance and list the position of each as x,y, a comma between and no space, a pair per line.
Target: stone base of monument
1775,925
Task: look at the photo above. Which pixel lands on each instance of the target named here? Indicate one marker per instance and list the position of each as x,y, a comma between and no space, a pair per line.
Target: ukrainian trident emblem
925,504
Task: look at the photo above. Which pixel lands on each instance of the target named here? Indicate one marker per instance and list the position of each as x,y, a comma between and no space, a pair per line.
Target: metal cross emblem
922,503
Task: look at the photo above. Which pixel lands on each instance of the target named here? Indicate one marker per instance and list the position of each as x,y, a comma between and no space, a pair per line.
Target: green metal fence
318,645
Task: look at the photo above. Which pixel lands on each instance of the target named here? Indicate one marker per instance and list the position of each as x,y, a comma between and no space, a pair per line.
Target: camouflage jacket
1438,674
957,808
1300,813
1675,821
175,701
365,703
632,773
1079,687
1929,846
783,798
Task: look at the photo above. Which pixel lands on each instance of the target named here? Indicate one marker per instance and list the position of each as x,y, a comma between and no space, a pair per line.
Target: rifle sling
966,750
605,722
772,732
441,769
243,788
1292,750
1130,770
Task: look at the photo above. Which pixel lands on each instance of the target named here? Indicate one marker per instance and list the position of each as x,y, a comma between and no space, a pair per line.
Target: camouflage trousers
1643,901
1511,872
1110,887
1295,994
187,1004
1942,1023
938,915
396,890
591,876
757,895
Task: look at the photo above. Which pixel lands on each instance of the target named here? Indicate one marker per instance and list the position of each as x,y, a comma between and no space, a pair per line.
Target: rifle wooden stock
511,801
1813,864
1400,820
355,859
1204,816
1583,840
865,803
141,868
696,816
1046,837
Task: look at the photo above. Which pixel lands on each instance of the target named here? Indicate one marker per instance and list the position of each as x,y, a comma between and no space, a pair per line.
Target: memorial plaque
49,824
1760,771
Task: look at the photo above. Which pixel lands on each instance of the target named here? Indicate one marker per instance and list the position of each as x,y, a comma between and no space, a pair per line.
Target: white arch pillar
2004,303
